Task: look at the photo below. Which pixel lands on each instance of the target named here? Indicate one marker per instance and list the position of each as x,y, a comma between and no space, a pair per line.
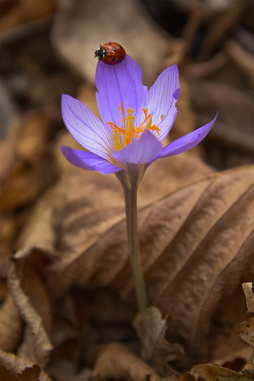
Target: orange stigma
123,135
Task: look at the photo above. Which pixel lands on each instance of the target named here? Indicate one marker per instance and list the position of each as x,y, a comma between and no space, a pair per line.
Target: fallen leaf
39,233
11,326
14,368
247,331
210,372
224,341
11,224
236,360
148,325
196,244
116,361
33,305
248,289
151,328
26,172
90,213
186,377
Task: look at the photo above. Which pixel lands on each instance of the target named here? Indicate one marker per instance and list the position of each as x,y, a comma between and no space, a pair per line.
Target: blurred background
47,48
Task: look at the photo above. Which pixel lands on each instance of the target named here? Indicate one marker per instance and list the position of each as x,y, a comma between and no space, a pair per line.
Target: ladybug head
99,53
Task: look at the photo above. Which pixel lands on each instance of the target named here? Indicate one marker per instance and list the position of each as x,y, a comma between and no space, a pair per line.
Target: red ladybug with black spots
110,53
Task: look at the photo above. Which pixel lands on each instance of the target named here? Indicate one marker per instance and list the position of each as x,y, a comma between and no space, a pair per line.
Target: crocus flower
134,120
128,137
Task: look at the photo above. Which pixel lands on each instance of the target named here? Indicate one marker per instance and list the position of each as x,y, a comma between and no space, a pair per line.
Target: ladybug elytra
110,53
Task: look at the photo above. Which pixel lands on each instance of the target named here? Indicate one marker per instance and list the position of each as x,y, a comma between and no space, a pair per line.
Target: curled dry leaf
151,328
248,289
13,368
247,328
196,244
149,325
25,284
11,326
210,372
33,305
24,173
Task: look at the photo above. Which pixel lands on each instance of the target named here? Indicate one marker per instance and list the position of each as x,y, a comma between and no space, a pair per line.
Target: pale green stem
130,195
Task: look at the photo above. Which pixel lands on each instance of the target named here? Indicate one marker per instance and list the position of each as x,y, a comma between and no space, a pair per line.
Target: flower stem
130,195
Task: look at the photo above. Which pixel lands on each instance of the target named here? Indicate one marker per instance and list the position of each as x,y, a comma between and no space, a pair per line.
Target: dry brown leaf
116,361
94,204
11,326
148,325
13,368
248,289
33,305
151,328
236,360
39,234
26,172
247,331
196,244
210,372
186,377
11,223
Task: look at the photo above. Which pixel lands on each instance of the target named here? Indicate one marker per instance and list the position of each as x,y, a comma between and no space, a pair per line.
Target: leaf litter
69,295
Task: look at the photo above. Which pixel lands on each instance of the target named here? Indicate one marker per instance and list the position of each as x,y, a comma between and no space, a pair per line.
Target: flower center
124,134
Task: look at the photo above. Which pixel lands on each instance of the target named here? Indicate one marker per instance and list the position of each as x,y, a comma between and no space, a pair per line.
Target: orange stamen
123,135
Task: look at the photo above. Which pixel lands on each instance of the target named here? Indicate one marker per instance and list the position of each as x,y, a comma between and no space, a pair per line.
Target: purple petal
85,127
117,84
161,99
188,141
89,161
141,151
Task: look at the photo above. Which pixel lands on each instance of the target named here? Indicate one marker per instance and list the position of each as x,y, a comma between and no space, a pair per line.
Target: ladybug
110,53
